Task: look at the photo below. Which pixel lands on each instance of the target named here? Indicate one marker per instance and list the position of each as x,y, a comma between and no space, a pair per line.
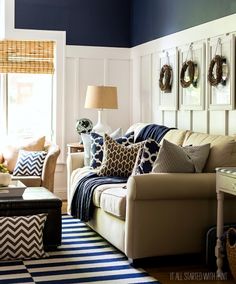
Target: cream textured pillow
176,159
118,160
10,152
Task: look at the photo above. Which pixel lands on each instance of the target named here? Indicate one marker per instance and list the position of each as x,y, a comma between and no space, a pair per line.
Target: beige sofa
162,213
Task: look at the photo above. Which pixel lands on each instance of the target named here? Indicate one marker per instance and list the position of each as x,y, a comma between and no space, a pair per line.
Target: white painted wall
96,66
145,78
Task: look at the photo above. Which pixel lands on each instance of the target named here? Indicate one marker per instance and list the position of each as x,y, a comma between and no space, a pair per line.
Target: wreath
218,61
191,67
166,76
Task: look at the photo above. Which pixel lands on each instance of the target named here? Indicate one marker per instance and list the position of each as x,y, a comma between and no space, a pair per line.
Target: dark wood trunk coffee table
37,200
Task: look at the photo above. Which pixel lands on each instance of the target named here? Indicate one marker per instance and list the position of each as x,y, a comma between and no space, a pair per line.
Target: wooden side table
225,183
75,147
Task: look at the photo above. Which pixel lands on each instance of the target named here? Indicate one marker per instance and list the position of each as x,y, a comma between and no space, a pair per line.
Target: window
26,88
29,105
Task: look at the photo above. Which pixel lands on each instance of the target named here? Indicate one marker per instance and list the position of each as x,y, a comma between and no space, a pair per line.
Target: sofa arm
74,161
156,206
49,167
163,186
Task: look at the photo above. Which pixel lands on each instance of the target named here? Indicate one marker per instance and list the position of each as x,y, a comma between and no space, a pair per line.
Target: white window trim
9,32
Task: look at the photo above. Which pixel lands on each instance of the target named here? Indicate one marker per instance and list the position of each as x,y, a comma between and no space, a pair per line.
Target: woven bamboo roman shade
18,56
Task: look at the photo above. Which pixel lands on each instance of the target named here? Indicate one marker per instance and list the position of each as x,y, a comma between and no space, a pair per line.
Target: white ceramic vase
5,179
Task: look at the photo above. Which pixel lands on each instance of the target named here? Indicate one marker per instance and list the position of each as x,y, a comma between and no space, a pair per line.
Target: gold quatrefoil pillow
118,160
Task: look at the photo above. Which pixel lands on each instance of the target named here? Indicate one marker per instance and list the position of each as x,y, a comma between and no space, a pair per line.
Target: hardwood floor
179,271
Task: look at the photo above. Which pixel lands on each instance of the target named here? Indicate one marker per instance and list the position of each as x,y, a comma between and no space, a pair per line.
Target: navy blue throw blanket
153,131
82,202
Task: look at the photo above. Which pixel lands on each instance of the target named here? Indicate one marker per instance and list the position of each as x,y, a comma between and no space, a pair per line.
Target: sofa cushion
118,159
113,201
222,152
175,136
97,146
176,159
100,189
10,152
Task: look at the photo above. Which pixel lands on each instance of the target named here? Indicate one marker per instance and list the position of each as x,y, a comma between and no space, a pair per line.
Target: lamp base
101,127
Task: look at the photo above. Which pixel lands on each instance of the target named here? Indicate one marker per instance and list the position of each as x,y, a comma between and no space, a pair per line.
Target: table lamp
101,97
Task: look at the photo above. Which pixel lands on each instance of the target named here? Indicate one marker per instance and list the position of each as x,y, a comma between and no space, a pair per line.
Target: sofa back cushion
222,152
175,136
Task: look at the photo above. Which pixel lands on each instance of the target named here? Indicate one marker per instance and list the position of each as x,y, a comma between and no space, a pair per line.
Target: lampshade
101,97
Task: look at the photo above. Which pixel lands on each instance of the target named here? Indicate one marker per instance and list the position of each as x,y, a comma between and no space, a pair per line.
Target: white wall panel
71,94
136,90
184,119
91,72
156,113
118,74
232,122
218,122
146,88
169,118
200,121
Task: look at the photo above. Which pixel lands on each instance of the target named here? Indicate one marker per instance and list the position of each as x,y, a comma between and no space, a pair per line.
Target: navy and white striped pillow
29,163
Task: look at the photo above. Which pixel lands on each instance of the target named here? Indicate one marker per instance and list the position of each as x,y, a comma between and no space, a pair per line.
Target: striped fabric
83,257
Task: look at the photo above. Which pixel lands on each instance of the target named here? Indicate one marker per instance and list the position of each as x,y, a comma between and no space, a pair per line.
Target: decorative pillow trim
30,163
21,237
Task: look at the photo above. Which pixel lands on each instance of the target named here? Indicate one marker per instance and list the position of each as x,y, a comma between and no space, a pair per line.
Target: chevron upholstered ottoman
37,200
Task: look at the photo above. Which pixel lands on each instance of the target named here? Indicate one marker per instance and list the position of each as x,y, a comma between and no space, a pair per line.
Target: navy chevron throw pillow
21,237
29,163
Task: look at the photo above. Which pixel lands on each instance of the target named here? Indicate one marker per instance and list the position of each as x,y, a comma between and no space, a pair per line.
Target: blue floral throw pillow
146,157
97,147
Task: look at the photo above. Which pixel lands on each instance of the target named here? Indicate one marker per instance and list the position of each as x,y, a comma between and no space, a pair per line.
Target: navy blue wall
86,22
152,19
118,23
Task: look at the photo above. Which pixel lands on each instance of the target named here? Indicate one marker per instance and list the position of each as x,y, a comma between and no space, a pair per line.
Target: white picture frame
168,100
222,97
193,98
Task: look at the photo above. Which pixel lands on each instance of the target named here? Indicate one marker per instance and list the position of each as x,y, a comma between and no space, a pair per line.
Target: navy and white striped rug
83,257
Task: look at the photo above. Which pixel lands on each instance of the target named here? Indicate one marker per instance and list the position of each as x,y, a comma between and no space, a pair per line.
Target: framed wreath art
167,65
220,76
192,69
191,87
165,80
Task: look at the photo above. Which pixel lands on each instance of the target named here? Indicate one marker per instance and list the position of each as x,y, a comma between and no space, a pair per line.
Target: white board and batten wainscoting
204,115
